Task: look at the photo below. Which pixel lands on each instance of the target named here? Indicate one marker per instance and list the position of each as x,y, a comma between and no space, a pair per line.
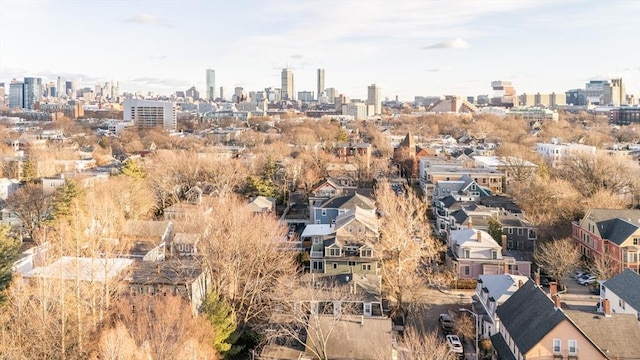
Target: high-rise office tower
287,84
504,94
211,85
150,113
32,92
16,94
614,93
223,93
60,87
373,98
320,83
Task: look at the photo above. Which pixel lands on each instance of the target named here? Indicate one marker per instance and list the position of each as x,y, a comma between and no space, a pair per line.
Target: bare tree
557,257
589,173
464,326
603,267
405,248
32,206
417,345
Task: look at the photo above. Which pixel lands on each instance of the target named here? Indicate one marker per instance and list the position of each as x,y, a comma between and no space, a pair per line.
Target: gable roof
618,336
351,338
350,201
469,238
501,286
528,327
627,286
597,215
616,230
501,347
367,218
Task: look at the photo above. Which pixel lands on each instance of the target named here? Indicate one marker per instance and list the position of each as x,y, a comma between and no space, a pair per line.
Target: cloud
453,44
442,69
159,57
297,56
146,19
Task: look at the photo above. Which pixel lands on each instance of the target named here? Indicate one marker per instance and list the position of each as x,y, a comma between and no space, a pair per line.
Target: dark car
446,323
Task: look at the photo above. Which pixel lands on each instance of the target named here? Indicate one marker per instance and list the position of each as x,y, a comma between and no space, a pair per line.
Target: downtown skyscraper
211,85
287,84
320,83
373,98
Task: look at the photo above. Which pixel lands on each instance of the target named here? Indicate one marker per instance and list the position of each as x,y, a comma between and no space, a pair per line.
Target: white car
454,344
587,280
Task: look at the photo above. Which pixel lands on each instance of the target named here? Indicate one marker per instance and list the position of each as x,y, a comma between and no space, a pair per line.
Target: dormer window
467,253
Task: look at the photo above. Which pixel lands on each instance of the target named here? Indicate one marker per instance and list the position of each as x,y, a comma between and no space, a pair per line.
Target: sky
408,48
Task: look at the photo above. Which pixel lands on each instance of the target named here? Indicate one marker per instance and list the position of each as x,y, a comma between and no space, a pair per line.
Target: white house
623,293
7,187
555,152
492,291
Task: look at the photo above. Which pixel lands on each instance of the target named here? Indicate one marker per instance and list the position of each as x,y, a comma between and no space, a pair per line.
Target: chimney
537,279
606,305
520,284
479,236
470,223
504,244
553,288
505,268
557,302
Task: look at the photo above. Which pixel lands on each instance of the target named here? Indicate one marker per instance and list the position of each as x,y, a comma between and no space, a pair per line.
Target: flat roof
84,269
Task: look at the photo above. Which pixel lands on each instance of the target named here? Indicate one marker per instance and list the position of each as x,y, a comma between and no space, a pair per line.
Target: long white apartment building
555,152
150,113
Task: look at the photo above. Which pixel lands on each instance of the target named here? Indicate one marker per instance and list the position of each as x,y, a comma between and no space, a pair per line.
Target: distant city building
625,115
223,93
614,93
331,94
150,113
320,83
504,94
211,85
61,87
594,91
287,84
356,109
556,152
483,100
576,97
373,98
471,99
32,92
16,94
193,93
273,95
306,96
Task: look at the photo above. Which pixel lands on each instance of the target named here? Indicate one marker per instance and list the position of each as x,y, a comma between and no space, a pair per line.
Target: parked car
578,273
454,344
446,323
591,279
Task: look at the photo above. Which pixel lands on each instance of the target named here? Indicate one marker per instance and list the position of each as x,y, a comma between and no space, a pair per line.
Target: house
618,335
406,156
555,153
491,292
262,204
186,211
185,245
326,212
344,151
535,327
474,252
186,278
148,239
623,293
614,233
330,187
347,252
8,187
81,269
315,234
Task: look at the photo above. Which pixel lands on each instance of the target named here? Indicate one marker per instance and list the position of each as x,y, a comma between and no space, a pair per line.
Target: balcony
316,254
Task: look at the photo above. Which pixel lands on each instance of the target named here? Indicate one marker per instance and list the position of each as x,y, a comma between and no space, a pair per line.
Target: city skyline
408,48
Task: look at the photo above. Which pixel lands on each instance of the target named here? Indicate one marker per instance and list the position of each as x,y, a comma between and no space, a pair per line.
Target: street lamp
476,319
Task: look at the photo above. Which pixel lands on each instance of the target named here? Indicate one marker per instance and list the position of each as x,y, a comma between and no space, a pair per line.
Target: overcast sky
408,48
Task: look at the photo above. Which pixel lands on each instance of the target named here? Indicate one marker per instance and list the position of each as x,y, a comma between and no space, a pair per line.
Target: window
520,231
573,347
317,265
494,255
335,266
510,230
334,252
466,253
324,212
366,253
621,303
557,346
466,270
636,241
366,267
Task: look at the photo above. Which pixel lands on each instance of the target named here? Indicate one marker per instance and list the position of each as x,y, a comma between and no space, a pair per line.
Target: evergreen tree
133,169
223,318
63,198
8,253
29,172
495,229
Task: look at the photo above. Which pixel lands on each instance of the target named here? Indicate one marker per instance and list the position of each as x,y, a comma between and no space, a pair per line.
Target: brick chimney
505,268
470,223
553,288
537,279
557,302
479,236
504,244
606,306
520,283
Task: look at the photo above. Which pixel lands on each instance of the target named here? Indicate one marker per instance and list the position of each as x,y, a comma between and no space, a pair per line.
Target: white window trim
553,346
575,346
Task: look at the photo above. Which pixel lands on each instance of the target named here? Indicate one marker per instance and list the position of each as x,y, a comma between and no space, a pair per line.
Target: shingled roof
527,328
627,286
616,230
618,335
350,202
